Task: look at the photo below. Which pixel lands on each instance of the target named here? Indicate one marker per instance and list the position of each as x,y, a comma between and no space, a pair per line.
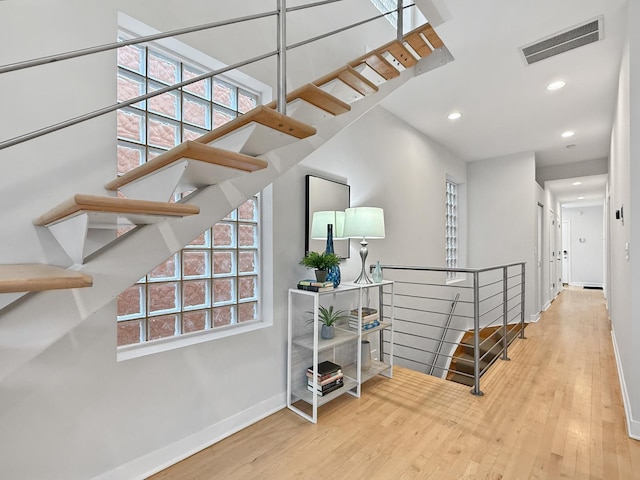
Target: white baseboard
546,306
534,318
152,463
586,284
633,426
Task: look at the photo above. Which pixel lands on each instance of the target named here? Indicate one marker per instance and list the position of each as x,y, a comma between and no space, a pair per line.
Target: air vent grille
584,34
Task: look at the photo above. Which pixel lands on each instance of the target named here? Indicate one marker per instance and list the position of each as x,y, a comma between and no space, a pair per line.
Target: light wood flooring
554,411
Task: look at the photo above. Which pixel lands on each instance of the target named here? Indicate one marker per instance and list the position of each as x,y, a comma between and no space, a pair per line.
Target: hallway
553,411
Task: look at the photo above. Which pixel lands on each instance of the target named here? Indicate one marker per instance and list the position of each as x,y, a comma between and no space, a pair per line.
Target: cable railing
279,53
456,328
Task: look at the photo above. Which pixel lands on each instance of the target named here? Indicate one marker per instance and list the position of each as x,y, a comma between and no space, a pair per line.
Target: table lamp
365,222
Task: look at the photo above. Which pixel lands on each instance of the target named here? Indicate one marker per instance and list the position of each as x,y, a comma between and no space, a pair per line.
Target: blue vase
333,273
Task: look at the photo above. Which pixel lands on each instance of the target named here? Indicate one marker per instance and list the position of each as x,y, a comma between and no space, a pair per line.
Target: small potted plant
328,318
321,262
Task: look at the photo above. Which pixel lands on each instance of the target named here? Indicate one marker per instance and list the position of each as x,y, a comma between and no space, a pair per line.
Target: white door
539,257
552,255
558,255
566,259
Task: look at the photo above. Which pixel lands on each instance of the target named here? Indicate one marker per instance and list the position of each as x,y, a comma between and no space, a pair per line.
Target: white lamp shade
322,219
366,222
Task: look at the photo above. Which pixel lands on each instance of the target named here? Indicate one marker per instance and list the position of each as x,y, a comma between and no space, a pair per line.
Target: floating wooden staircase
490,347
222,167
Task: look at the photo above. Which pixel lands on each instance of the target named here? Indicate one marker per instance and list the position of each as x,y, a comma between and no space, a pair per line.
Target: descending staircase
491,343
223,168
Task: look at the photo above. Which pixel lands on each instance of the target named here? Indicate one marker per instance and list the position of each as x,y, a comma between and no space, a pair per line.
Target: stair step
30,277
399,52
137,212
359,85
200,165
257,132
310,104
379,64
418,44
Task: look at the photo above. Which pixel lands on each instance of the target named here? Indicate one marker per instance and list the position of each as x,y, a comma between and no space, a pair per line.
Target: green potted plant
321,262
328,318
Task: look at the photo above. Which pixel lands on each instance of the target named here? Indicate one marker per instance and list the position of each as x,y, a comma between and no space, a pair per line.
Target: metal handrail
507,307
281,81
444,332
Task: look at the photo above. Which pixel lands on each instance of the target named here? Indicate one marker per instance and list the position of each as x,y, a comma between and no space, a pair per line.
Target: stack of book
314,286
329,378
370,318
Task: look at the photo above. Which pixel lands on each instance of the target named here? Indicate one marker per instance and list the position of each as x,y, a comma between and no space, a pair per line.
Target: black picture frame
322,194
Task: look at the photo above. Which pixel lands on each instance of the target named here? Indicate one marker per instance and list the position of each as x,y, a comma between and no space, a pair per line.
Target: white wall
586,241
624,291
502,216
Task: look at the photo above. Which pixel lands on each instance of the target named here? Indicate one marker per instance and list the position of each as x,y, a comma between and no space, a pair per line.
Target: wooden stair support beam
32,277
399,52
81,203
378,63
351,77
317,97
191,150
265,116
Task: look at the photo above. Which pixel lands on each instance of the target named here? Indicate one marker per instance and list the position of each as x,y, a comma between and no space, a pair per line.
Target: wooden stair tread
26,277
399,52
379,64
265,116
431,35
351,77
416,42
314,95
191,150
93,203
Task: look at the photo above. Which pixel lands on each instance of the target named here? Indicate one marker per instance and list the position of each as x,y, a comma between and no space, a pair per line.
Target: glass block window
214,281
451,227
385,6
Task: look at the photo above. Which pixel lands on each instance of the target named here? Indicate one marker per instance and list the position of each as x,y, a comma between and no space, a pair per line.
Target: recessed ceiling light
556,85
568,134
576,183
454,116
580,198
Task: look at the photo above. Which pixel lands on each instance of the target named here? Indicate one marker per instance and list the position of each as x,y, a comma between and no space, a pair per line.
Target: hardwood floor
554,411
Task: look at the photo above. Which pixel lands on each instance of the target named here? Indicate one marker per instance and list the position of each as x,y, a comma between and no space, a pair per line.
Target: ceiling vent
564,41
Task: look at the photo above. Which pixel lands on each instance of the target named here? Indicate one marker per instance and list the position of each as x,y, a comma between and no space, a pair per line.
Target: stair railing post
400,19
522,289
476,336
281,88
505,322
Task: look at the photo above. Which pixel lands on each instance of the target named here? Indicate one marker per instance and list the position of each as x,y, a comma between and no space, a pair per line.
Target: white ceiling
505,105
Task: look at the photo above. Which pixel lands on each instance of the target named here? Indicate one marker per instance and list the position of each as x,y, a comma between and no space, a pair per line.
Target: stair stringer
29,326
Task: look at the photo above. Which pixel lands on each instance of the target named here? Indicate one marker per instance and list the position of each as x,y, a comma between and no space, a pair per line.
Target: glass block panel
195,321
130,86
162,327
131,125
132,57
247,312
131,302
130,156
202,88
223,290
246,101
167,270
224,262
247,235
248,211
167,104
153,153
203,240
191,133
196,111
224,94
196,263
248,261
163,69
163,133
224,235
129,332
222,116
248,288
232,215
224,316
196,294
163,297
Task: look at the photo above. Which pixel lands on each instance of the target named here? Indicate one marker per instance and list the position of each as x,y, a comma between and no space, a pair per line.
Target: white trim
633,426
154,462
586,284
546,306
534,318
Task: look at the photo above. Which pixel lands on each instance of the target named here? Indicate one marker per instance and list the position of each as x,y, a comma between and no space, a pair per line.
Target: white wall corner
633,426
147,465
